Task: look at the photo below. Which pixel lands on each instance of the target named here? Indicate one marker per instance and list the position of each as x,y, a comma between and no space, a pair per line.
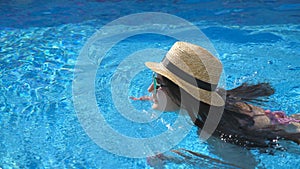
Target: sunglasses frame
155,84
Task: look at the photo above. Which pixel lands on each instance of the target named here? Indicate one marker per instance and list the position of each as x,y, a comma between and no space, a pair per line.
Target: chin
155,106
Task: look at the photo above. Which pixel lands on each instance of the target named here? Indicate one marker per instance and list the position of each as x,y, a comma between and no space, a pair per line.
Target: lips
154,100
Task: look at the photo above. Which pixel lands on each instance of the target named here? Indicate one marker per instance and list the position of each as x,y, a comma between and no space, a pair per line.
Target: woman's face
161,100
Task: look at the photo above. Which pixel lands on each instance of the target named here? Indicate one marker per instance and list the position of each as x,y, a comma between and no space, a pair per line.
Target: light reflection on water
40,129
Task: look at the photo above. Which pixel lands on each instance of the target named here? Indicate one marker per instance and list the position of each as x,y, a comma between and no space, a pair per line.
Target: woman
187,79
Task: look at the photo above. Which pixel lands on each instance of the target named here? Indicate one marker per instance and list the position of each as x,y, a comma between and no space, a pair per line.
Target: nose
151,88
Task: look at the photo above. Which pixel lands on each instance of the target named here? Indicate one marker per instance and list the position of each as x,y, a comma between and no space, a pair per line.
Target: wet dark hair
235,124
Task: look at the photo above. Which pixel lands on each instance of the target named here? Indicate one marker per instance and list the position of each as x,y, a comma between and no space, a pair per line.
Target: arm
143,98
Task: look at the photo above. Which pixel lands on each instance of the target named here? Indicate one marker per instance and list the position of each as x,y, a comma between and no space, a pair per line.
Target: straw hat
193,69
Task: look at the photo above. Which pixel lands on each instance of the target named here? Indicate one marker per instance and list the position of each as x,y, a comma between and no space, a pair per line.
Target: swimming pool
41,41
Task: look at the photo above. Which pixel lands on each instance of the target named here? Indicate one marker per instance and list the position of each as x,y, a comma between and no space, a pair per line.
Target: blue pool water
40,41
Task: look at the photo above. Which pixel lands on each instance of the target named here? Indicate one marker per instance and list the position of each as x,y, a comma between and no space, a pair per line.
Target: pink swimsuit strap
279,117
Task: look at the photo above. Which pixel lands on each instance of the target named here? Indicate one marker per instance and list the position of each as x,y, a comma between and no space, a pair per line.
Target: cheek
161,96
171,106
161,101
164,102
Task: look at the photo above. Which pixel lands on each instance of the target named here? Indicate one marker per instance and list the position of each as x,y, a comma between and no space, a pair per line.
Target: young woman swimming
187,78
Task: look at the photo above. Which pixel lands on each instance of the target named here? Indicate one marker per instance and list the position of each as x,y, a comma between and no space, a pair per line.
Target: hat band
188,78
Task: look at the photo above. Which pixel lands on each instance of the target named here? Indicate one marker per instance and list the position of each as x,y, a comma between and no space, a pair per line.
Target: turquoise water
256,42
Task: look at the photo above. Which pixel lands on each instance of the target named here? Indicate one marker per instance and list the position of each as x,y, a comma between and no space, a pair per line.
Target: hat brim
211,98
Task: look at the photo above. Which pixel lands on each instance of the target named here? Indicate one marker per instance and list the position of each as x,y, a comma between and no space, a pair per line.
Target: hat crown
193,69
195,61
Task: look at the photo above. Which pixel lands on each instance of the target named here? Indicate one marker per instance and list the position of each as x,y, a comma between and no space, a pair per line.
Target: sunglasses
156,84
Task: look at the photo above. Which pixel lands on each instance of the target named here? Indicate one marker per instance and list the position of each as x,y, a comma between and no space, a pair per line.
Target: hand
143,98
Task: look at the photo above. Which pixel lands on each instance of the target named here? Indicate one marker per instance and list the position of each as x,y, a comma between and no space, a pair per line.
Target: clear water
40,41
